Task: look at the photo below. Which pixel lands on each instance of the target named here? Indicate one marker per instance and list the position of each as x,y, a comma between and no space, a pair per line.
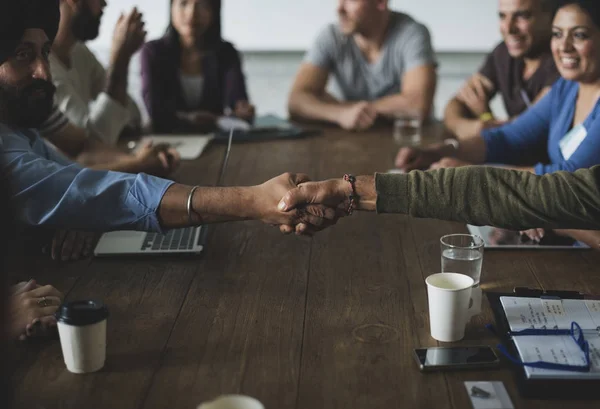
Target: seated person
382,60
521,69
50,191
191,76
564,125
90,96
561,132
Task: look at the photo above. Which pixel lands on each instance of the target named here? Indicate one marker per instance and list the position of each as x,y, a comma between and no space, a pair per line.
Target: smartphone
451,358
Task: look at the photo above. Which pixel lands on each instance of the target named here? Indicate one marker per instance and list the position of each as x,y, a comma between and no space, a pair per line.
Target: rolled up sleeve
50,194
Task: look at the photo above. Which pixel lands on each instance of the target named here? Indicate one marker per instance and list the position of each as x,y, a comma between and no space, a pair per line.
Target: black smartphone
451,358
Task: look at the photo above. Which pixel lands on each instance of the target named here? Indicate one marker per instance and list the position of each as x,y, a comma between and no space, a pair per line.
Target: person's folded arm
460,121
309,99
415,97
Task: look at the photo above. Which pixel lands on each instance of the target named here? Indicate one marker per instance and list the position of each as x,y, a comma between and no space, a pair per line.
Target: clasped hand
299,206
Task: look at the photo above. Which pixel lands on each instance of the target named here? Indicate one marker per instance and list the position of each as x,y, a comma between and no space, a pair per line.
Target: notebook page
559,349
524,313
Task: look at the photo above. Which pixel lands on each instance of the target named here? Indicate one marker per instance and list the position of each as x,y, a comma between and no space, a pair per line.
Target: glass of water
462,253
407,130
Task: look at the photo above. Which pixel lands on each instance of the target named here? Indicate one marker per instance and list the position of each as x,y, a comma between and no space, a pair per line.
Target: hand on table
73,245
445,163
409,159
159,160
358,117
31,309
244,110
535,235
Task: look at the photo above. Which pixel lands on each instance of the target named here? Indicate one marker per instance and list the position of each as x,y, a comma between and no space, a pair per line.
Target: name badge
571,141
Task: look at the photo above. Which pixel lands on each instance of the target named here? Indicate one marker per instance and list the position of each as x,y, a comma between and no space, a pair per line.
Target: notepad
189,146
553,313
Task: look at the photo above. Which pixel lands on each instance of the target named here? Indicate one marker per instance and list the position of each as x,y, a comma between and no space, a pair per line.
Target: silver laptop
494,238
187,240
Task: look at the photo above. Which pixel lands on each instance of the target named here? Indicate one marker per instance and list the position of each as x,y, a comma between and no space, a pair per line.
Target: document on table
189,146
553,313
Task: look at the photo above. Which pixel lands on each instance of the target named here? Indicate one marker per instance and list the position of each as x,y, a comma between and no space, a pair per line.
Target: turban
18,15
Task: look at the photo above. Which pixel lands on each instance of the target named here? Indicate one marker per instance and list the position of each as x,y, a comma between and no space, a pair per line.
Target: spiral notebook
554,313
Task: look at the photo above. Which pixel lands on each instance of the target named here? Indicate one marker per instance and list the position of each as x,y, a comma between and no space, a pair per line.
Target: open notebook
554,313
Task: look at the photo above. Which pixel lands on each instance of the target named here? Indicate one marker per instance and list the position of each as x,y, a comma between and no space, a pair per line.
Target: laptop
178,241
495,238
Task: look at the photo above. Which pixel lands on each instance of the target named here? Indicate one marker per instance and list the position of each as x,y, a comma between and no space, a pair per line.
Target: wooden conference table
321,323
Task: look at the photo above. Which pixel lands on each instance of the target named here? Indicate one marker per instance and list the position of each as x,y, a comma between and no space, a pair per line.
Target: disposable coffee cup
232,402
82,331
449,296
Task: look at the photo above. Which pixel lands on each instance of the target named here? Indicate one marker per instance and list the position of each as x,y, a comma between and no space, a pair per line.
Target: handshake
298,205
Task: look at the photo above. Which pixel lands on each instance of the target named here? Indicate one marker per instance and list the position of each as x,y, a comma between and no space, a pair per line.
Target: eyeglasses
576,334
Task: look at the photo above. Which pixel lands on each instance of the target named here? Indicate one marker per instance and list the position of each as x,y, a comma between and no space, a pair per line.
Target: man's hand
414,158
244,110
159,160
129,35
333,194
475,94
73,245
449,163
267,207
358,117
31,309
535,235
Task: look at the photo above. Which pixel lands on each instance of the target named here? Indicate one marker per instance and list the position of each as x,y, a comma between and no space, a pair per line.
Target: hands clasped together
297,205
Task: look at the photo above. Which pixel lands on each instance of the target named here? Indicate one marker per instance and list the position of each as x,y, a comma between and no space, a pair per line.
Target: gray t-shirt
407,45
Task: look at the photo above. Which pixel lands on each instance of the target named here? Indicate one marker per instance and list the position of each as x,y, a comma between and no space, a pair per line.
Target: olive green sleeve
497,197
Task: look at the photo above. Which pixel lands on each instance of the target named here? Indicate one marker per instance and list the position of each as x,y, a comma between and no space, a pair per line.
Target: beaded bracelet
353,196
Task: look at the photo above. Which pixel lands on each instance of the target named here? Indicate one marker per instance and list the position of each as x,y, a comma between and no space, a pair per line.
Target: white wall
459,25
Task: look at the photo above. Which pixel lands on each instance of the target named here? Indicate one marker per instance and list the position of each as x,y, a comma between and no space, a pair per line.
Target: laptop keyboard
179,239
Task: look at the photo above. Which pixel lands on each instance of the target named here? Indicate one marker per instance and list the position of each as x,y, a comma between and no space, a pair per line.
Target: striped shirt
55,122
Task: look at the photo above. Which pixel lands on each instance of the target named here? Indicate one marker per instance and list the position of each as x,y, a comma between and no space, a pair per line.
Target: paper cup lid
81,313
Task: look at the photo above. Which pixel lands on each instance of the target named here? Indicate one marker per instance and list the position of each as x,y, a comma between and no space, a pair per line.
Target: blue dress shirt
538,131
49,190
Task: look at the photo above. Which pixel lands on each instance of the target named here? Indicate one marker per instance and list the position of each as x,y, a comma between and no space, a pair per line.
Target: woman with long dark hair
191,76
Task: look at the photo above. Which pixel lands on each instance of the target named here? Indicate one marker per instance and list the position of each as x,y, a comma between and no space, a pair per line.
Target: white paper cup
449,295
82,331
232,402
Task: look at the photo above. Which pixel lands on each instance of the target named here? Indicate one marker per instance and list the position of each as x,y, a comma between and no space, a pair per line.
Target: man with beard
50,191
382,60
90,96
521,69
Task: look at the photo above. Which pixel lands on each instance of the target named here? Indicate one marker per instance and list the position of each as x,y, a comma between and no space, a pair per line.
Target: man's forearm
589,237
306,105
116,81
209,205
394,105
497,197
458,121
